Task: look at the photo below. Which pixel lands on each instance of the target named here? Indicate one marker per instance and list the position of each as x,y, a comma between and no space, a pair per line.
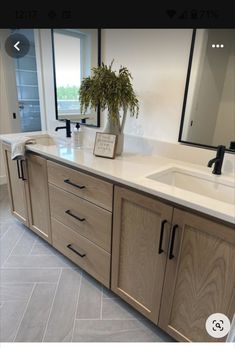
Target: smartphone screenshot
117,176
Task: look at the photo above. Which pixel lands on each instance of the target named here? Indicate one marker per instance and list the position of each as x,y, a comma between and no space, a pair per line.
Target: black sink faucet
218,160
67,127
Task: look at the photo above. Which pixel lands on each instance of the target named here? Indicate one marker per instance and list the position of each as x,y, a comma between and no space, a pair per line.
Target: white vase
113,126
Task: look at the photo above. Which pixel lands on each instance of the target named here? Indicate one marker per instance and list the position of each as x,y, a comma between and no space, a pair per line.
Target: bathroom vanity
168,252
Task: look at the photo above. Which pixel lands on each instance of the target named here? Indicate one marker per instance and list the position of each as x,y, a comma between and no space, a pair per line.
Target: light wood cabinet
173,266
97,191
191,279
200,278
83,252
16,186
28,192
81,217
38,196
139,250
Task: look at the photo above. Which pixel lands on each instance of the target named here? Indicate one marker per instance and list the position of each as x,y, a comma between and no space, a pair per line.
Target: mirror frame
97,125
185,101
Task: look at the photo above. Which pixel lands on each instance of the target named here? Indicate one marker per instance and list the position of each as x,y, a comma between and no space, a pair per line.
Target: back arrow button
16,46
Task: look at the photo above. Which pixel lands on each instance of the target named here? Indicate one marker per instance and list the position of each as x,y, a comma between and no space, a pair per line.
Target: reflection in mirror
75,53
208,116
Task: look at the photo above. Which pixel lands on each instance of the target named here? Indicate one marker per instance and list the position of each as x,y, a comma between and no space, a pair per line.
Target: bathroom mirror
208,115
75,53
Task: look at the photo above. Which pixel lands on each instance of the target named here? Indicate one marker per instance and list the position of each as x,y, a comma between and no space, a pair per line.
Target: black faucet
218,160
67,127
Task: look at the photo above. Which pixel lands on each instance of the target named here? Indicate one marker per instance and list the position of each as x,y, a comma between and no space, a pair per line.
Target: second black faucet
218,160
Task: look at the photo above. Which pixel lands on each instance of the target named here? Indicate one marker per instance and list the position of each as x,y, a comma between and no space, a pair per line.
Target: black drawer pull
69,246
18,169
74,216
171,255
22,170
67,181
160,250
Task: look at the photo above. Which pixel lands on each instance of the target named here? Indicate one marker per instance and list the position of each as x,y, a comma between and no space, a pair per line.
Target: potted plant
112,91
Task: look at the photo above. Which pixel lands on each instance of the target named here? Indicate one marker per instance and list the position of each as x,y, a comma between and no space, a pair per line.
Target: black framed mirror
208,113
75,53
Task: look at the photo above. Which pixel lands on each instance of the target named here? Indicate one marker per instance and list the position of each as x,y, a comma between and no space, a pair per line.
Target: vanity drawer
82,185
83,217
81,251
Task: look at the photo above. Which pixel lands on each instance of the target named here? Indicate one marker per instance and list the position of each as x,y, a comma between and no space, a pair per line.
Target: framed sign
105,145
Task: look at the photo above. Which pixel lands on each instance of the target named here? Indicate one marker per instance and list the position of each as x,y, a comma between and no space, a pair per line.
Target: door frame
38,52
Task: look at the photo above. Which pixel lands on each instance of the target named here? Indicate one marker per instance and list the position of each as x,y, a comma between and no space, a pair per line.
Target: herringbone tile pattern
45,298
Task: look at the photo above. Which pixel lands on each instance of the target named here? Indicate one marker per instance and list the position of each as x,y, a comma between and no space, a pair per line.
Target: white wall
47,78
158,61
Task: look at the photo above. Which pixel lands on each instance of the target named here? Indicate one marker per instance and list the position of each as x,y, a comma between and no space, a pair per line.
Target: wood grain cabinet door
200,277
38,196
16,186
139,248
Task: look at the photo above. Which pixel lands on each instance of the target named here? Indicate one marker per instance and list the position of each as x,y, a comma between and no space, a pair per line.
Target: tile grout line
5,232
10,301
101,302
17,331
45,267
34,243
124,330
51,252
76,308
113,319
18,239
52,303
19,283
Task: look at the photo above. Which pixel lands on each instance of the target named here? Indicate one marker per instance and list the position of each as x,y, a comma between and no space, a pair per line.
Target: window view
75,53
68,70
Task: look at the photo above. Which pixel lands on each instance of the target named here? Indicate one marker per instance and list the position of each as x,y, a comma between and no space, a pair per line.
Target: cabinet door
16,187
137,263
39,212
200,277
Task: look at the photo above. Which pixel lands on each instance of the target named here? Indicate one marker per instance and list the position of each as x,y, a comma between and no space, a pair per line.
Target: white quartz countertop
132,169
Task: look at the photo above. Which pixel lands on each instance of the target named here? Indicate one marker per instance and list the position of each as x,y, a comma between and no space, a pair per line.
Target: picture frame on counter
105,145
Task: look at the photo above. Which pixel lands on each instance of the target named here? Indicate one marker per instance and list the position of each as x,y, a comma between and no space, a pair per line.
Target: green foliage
68,92
110,90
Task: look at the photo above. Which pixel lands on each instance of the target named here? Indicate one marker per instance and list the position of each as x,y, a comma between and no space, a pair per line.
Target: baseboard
3,180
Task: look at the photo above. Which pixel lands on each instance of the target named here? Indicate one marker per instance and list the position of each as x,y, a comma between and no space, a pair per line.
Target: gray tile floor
45,297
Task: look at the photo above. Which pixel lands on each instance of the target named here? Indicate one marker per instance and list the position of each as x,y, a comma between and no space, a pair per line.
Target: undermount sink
49,140
200,183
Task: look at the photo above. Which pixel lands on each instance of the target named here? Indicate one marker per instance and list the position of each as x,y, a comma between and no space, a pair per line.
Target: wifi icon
171,13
